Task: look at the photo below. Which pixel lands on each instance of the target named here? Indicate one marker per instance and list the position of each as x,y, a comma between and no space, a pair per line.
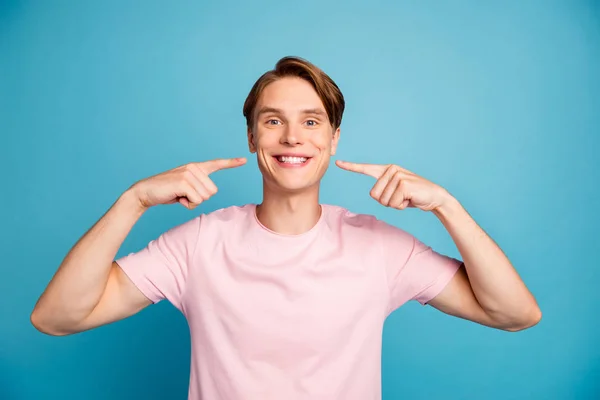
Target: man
285,299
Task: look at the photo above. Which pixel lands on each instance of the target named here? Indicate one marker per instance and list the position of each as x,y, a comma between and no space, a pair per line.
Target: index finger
221,163
374,170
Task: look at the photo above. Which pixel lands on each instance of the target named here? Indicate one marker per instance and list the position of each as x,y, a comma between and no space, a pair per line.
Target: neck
289,213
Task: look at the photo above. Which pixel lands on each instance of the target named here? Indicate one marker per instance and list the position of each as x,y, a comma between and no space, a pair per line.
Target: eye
273,122
311,122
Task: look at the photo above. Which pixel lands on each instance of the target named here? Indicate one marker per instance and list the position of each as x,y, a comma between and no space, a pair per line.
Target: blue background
499,102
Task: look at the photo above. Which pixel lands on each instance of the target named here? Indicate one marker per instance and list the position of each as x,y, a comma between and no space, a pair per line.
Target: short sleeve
160,269
414,270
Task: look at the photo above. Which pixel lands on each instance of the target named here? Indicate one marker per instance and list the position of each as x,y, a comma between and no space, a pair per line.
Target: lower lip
291,165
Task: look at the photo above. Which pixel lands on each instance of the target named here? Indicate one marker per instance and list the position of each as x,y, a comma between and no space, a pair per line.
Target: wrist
130,199
448,207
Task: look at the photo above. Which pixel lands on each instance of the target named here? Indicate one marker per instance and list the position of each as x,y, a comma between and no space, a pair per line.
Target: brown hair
326,89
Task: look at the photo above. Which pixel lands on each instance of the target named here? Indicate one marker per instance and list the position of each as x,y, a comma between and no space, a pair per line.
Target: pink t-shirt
287,317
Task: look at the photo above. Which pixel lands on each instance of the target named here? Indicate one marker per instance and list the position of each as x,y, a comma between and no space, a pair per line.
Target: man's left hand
400,188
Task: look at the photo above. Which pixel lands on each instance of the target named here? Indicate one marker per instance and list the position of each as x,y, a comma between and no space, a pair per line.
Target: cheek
263,141
322,142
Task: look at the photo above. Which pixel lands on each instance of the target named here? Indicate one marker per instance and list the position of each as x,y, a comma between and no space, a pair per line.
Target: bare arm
488,289
89,289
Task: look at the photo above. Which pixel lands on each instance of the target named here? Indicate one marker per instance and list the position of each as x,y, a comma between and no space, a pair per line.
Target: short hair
327,90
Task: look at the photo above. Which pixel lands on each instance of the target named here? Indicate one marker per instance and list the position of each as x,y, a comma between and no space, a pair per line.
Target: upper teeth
292,160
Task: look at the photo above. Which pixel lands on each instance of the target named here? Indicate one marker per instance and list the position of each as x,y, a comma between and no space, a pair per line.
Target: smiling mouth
292,160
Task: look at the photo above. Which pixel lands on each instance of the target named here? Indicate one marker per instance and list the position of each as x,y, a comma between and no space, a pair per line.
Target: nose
291,136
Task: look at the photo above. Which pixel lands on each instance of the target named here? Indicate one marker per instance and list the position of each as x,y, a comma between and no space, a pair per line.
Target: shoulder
226,217
227,214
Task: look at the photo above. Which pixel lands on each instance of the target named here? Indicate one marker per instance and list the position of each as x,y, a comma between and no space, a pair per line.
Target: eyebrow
317,111
266,110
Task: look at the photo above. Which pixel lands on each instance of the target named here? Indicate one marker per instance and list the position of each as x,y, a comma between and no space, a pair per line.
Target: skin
291,196
89,289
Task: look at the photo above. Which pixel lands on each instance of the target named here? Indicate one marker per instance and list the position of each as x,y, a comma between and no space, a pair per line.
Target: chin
292,186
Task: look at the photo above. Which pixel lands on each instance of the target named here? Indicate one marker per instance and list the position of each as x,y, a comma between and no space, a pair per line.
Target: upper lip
291,155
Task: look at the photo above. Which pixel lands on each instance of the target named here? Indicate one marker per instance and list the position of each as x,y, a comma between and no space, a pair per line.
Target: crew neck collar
312,231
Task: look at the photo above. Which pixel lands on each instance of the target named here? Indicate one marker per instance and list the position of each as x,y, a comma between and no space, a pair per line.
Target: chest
292,308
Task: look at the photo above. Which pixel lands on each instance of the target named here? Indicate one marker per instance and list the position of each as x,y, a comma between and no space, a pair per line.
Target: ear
251,143
334,141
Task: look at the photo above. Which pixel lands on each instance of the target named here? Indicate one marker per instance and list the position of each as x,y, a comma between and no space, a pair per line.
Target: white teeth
291,160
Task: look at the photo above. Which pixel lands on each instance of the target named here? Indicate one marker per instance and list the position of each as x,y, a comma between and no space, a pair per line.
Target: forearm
79,282
494,281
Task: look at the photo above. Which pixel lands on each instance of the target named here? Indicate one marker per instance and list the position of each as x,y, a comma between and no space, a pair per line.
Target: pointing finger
373,170
215,165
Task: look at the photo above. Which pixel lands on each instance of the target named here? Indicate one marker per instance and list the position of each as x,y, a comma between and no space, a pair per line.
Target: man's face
292,135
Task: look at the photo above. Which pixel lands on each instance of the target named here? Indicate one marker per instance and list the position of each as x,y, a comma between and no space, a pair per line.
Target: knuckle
193,169
183,170
183,176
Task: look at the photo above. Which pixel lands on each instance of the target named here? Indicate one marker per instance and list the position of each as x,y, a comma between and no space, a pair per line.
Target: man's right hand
188,184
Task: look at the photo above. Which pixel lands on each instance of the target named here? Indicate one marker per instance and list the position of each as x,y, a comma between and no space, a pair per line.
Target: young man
285,299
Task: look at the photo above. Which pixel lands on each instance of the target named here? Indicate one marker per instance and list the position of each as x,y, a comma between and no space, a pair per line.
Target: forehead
289,94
